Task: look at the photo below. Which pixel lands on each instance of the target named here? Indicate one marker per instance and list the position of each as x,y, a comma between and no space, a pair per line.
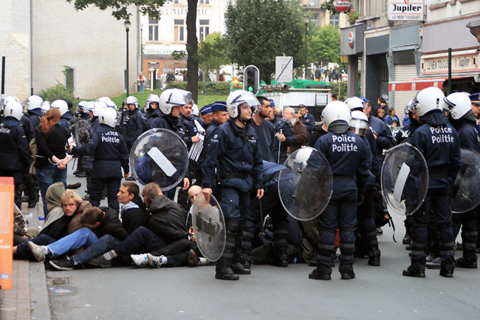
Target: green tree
211,53
324,45
260,30
150,7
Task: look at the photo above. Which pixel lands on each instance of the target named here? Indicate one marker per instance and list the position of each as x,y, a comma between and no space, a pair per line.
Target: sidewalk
28,298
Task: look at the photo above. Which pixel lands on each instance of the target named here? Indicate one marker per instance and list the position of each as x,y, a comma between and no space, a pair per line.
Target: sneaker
36,250
86,197
140,260
63,264
81,175
433,263
101,262
130,178
154,261
203,262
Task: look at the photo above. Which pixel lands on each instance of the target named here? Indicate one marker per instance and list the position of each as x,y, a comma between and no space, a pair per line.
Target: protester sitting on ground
56,225
141,240
133,212
83,237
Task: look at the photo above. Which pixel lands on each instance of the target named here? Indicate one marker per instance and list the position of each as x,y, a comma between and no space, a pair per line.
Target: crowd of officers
245,142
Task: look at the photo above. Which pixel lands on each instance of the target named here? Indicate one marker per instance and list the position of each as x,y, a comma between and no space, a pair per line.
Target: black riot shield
466,187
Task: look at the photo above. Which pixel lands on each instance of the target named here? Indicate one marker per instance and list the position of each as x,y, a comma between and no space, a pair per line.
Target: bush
343,88
58,92
204,87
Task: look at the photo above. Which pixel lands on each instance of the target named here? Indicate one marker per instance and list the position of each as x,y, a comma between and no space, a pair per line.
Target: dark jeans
104,244
41,240
96,188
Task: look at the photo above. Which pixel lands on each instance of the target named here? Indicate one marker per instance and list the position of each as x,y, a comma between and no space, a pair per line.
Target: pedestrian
391,117
299,130
141,81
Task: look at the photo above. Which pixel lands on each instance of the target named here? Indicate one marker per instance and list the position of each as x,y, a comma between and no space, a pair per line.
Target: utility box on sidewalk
7,194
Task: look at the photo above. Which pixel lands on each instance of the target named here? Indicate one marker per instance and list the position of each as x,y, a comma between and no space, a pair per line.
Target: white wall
15,46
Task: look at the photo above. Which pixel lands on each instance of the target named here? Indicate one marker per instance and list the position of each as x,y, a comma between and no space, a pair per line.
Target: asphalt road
269,292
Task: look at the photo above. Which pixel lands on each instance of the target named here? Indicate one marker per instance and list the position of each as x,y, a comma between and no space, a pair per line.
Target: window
204,29
204,1
153,29
175,1
179,30
335,20
69,78
316,19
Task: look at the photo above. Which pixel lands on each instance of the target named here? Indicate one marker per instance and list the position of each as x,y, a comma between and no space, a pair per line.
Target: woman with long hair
51,159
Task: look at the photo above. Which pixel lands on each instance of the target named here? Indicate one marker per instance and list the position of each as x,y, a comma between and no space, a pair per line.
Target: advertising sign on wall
403,10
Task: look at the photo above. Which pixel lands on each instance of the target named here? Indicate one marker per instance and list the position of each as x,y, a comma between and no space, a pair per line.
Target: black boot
407,239
347,272
223,268
237,265
374,258
468,262
416,269
280,259
322,272
446,270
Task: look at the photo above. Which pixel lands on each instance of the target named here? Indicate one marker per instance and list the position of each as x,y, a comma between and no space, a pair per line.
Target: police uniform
34,117
65,120
469,139
239,171
349,159
14,153
308,121
133,127
206,110
440,147
151,116
111,155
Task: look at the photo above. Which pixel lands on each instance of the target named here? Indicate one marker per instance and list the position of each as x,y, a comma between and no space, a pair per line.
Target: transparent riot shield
466,187
83,132
404,179
159,155
305,187
208,227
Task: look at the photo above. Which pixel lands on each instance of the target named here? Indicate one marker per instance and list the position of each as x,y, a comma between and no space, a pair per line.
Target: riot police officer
349,160
152,106
134,125
34,104
111,155
463,120
234,146
439,143
14,153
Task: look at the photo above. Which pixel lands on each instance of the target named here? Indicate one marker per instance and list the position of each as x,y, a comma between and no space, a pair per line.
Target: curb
39,299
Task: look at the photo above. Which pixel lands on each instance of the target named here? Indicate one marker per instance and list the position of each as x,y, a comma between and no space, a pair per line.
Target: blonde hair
69,194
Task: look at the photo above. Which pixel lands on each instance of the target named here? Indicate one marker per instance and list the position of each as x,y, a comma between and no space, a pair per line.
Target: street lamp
127,28
306,20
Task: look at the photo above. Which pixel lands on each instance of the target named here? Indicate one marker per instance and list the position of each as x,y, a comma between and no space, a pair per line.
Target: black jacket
168,219
111,225
135,217
14,150
52,144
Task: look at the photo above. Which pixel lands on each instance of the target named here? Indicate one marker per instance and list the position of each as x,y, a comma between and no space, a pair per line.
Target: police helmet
97,107
131,100
108,116
239,97
302,157
8,100
13,109
359,121
410,107
428,99
45,106
195,110
34,102
336,117
60,105
459,104
355,103
172,98
108,102
152,98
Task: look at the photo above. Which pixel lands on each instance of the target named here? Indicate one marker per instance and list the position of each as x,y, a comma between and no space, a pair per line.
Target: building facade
44,39
401,57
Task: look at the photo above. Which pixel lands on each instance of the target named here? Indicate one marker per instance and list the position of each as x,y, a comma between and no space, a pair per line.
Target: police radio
251,79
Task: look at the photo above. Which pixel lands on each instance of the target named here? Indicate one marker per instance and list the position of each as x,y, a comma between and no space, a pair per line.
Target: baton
279,148
261,214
